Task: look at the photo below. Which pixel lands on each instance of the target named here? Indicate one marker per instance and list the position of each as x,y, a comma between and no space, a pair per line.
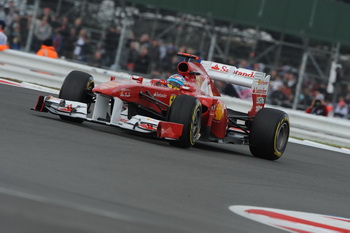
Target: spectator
78,25
2,12
169,60
278,97
276,83
49,15
42,31
11,14
162,50
244,64
318,107
154,52
290,80
341,109
57,39
82,47
47,49
305,99
144,40
24,30
142,62
65,27
111,44
132,55
15,39
68,44
96,59
3,37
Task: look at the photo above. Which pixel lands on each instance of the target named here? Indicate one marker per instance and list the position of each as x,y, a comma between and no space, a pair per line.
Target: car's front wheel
186,110
77,86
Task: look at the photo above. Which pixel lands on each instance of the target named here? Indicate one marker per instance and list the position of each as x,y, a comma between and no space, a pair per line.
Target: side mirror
187,88
137,79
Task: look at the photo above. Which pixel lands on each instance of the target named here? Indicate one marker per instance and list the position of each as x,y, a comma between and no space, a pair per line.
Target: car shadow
227,151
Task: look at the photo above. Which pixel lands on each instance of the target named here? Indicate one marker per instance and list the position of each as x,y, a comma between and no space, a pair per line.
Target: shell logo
261,82
219,111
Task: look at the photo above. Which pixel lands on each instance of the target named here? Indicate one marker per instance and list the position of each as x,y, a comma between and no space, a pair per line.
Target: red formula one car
180,115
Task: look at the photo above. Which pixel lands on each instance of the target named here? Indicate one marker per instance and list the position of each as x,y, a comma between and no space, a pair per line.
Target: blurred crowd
145,55
313,98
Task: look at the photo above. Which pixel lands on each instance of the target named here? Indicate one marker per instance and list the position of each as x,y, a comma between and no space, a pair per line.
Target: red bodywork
199,85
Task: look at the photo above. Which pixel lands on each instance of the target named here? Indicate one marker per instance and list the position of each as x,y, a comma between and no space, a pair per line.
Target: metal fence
139,38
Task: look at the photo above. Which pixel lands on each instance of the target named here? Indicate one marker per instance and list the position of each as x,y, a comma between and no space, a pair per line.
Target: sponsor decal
110,84
219,111
53,98
198,80
148,126
257,108
152,120
260,100
221,68
261,82
161,95
259,91
171,99
68,108
293,221
125,94
250,75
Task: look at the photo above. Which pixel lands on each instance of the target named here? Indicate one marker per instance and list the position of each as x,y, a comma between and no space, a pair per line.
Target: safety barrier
46,71
328,130
51,72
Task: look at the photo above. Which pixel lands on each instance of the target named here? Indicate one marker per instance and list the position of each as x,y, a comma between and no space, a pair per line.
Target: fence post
32,25
300,78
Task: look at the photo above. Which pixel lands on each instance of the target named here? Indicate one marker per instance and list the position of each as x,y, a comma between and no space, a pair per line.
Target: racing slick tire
269,134
77,86
186,110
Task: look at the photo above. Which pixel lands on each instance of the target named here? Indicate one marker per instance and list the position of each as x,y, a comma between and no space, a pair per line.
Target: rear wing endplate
257,81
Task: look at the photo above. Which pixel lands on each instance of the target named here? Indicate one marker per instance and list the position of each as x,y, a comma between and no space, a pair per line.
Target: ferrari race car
184,115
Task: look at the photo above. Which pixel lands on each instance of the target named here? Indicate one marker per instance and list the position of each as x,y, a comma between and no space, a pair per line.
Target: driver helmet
175,81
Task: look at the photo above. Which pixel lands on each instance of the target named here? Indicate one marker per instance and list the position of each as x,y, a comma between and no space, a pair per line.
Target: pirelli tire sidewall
186,110
76,87
269,134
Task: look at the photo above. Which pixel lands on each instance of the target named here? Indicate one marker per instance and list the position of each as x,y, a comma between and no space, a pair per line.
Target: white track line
319,145
29,86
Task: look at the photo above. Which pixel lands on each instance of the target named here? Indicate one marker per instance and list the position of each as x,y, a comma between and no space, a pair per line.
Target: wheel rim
196,125
282,136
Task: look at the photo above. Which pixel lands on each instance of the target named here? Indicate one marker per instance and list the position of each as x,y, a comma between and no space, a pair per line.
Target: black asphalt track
63,177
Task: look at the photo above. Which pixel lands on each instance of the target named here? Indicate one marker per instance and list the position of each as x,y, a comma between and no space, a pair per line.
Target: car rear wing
257,81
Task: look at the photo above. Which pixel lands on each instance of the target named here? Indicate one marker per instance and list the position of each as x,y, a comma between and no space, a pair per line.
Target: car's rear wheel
269,134
77,86
186,110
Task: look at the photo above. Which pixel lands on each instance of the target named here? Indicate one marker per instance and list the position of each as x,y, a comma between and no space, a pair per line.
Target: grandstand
296,41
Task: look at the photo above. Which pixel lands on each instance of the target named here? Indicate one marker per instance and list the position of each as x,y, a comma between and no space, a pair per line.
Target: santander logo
250,75
232,70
